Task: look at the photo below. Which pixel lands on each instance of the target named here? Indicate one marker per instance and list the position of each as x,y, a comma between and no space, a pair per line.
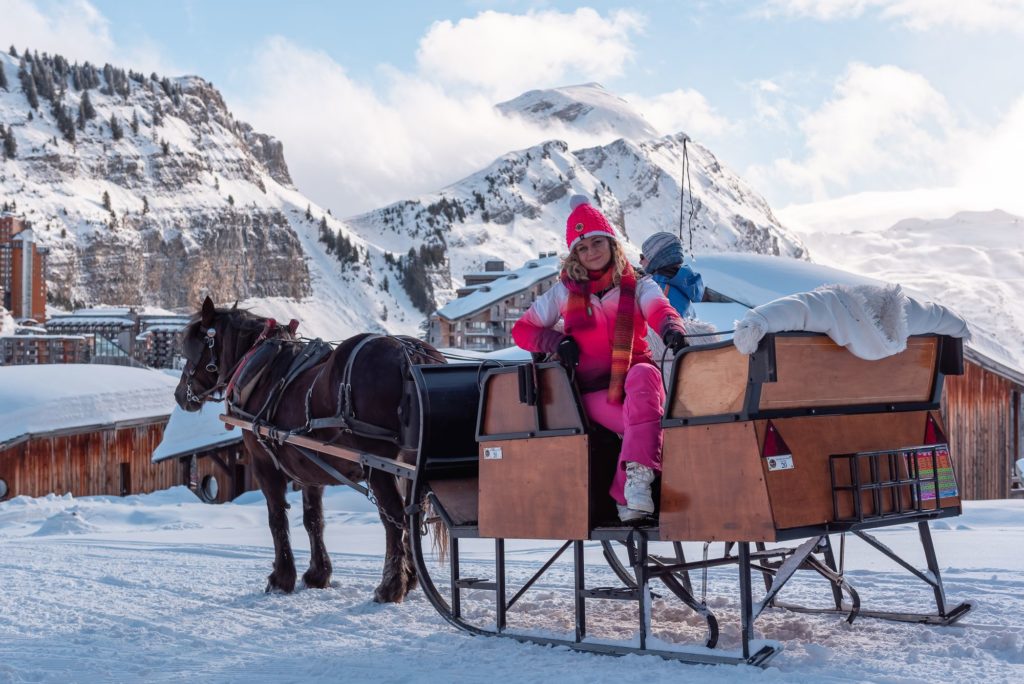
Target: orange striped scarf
578,316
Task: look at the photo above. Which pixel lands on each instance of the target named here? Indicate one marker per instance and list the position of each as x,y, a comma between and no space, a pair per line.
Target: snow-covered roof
755,279
90,320
187,433
490,293
54,397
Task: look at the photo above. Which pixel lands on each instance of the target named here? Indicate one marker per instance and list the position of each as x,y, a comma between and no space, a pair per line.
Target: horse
219,343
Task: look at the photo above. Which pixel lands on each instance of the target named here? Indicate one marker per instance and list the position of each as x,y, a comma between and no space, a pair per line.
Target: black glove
675,340
569,352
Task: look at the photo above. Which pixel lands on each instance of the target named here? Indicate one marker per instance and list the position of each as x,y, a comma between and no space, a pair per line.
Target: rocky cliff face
154,194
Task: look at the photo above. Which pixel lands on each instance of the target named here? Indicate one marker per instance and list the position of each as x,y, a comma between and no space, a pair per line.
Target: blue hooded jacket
681,289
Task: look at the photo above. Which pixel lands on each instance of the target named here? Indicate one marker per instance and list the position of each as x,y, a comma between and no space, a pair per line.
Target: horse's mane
243,318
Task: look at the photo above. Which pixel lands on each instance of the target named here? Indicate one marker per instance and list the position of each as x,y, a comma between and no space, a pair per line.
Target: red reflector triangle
774,445
932,433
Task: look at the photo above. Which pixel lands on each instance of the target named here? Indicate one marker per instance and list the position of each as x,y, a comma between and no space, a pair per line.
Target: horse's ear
234,307
208,312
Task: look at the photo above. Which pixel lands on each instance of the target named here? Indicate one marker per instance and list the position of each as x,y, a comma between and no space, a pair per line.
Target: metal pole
746,601
499,570
933,563
453,558
581,601
643,588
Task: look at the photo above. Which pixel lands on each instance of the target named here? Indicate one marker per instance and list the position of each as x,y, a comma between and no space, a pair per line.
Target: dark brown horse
214,345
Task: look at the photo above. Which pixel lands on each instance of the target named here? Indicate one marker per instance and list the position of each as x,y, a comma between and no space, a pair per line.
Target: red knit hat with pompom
585,221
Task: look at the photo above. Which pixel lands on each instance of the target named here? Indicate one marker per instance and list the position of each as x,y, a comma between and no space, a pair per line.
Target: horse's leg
318,576
394,582
274,485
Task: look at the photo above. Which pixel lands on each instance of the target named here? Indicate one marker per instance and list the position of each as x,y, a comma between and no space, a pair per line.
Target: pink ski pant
637,419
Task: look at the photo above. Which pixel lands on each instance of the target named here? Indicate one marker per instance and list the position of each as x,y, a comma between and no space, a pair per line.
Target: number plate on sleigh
492,453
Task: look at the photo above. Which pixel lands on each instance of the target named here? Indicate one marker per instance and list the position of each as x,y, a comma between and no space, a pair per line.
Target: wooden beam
370,460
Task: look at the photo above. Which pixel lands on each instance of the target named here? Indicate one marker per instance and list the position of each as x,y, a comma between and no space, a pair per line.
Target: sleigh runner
775,455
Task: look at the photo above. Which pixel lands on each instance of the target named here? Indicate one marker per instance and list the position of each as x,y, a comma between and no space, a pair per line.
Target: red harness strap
268,328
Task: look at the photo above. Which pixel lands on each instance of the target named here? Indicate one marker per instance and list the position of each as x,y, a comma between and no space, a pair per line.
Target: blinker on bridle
211,365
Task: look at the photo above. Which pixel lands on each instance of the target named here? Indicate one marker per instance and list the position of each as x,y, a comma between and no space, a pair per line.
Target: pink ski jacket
535,331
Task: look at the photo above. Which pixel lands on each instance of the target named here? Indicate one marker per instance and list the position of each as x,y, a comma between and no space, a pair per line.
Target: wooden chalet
82,429
207,458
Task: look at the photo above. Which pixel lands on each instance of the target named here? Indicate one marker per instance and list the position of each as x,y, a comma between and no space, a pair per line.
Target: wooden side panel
713,485
710,382
814,371
803,495
503,412
537,489
558,408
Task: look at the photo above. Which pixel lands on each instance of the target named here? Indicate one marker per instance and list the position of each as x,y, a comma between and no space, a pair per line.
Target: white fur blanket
872,322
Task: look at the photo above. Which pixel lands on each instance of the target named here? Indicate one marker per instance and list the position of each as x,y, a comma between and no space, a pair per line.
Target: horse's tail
439,536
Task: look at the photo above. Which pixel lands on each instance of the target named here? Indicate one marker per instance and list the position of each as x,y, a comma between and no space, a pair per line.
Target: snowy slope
972,262
161,588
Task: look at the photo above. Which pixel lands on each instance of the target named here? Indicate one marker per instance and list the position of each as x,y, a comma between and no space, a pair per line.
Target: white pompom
577,200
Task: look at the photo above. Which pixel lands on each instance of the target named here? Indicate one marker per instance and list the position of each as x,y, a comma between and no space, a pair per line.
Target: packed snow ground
163,588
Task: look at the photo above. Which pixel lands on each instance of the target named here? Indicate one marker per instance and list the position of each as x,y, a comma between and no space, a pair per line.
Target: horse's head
212,344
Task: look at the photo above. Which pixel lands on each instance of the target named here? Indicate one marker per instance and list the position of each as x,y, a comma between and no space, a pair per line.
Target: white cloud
77,30
920,15
681,110
355,148
883,127
507,53
991,169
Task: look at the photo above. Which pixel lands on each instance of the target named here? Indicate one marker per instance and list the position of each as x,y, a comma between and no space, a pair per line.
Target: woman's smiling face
595,253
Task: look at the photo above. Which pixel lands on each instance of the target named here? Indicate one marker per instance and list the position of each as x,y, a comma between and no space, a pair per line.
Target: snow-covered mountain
972,262
147,191
516,207
588,108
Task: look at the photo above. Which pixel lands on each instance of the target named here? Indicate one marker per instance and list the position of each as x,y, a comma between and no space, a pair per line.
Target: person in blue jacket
662,259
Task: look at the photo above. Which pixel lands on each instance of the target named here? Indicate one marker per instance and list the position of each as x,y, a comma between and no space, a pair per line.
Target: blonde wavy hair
572,267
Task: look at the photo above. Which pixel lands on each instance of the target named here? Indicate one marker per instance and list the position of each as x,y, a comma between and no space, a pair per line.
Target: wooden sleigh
772,454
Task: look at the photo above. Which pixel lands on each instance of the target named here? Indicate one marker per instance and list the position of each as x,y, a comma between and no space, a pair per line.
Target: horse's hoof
275,586
388,595
316,580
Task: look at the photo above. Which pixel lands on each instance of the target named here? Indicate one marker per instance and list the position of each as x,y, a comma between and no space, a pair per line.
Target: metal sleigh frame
442,407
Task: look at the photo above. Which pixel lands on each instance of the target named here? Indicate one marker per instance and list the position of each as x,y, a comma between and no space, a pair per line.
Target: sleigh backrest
805,374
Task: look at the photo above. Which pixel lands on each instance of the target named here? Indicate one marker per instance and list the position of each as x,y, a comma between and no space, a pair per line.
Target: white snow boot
638,488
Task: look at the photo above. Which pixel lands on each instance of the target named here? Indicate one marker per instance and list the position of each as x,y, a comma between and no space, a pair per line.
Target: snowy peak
515,209
588,108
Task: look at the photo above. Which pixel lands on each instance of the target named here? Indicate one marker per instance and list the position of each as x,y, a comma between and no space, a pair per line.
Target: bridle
225,380
209,341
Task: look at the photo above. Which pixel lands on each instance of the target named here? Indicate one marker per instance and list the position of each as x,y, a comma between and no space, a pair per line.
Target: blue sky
824,106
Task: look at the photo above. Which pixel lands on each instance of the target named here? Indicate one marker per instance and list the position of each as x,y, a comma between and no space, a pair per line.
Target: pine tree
165,147
309,214
10,146
86,108
3,77
13,52
135,122
115,128
145,205
231,200
28,85
106,201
